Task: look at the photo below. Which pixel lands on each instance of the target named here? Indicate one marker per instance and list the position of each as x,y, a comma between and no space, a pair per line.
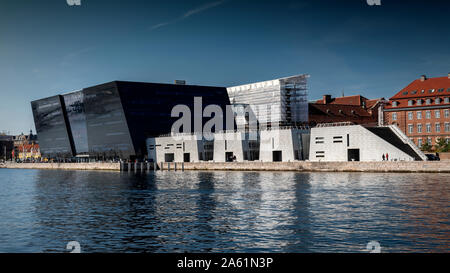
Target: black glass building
114,119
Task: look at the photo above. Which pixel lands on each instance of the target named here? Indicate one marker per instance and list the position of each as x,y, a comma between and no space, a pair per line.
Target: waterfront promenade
300,166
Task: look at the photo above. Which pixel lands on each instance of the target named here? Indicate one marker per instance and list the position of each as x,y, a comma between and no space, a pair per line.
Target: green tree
426,147
442,146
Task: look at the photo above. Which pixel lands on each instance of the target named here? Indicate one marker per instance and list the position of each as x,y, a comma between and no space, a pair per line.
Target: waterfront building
278,102
183,148
113,120
6,147
269,145
356,109
348,142
422,110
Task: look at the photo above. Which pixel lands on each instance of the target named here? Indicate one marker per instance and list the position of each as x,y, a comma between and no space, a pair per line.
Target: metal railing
406,140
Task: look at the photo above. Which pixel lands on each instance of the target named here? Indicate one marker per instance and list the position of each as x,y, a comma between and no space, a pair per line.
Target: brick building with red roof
356,109
422,110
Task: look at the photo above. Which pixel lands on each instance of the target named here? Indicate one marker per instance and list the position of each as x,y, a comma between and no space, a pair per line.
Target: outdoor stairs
396,138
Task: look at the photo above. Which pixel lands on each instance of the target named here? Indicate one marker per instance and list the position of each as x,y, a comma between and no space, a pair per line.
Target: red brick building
421,110
356,109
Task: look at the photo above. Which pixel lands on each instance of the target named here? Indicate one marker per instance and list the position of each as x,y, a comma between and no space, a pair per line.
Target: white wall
371,146
192,144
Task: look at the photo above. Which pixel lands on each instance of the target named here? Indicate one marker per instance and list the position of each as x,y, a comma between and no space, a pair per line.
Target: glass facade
113,120
49,118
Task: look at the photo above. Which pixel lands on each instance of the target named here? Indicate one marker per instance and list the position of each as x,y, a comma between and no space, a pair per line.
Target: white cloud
189,13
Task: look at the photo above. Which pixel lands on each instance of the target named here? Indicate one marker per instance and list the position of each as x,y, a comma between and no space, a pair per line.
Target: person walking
387,157
383,157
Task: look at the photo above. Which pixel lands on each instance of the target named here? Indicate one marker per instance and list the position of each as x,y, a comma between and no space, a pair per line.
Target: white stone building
344,142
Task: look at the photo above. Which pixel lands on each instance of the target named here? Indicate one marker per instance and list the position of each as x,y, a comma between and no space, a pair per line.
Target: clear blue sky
48,47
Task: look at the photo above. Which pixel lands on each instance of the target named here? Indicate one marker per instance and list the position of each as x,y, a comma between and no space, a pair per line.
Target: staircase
393,135
408,141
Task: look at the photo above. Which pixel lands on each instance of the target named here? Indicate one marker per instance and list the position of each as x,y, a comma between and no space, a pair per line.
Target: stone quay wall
299,166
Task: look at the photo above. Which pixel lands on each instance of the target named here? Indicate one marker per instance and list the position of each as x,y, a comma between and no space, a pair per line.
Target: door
353,154
229,157
277,156
187,157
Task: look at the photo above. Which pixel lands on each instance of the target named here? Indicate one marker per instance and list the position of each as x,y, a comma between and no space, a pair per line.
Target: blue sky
48,47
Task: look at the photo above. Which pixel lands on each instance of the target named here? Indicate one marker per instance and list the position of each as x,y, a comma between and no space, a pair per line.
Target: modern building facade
348,142
356,109
113,120
422,110
279,102
269,145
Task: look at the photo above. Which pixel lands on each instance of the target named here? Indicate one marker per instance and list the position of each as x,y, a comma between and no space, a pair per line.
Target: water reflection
223,211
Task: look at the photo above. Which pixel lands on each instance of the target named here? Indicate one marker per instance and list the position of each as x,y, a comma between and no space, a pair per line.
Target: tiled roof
428,88
348,100
338,110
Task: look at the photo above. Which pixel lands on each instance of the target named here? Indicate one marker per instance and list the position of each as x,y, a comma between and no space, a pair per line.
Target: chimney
423,78
326,99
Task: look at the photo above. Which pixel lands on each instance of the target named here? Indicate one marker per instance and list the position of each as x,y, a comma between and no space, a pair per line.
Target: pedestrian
387,157
383,157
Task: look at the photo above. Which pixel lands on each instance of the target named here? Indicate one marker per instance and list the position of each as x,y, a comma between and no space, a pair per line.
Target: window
405,93
394,116
428,114
414,92
320,140
438,127
410,115
428,128
429,141
337,139
437,101
446,100
410,102
447,127
446,113
419,128
440,90
419,115
395,103
419,142
437,113
320,154
428,101
410,128
419,102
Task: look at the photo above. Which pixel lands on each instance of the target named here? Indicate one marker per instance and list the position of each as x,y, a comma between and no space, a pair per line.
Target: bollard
175,166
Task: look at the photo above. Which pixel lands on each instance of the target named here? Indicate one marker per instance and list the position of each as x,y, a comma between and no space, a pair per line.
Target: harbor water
44,210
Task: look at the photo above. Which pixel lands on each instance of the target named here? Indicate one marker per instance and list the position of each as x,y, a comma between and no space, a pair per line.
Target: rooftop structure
281,102
356,109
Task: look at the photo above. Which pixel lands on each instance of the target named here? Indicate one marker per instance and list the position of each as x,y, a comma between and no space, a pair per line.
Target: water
41,211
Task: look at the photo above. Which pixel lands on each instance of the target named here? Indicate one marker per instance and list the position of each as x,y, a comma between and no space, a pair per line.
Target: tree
442,146
426,147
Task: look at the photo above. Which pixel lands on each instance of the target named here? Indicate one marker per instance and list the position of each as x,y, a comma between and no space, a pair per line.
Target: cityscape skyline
347,47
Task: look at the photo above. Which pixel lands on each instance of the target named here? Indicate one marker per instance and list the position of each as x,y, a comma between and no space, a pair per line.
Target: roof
356,100
338,110
431,87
